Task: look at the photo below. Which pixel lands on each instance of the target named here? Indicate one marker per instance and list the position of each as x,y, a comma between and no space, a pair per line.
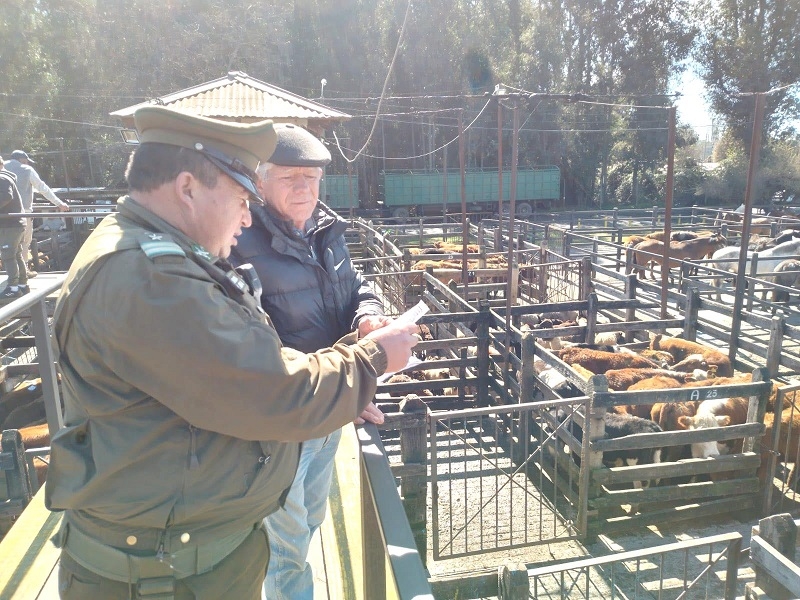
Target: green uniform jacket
183,412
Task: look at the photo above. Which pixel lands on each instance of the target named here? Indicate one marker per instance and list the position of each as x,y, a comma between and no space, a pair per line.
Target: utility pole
672,112
499,92
755,151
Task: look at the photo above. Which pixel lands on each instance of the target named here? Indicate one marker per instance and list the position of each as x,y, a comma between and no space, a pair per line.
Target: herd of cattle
668,363
775,255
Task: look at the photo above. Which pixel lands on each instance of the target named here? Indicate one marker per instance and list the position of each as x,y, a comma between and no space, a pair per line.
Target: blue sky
692,107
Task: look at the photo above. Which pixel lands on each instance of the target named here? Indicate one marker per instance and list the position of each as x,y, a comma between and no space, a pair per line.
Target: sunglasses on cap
233,168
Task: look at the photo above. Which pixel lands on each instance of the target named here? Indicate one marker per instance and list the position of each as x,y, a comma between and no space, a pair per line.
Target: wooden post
414,488
513,285
690,313
594,428
586,278
428,286
630,313
757,406
406,259
751,287
591,319
629,260
482,333
776,328
527,377
780,532
512,583
619,244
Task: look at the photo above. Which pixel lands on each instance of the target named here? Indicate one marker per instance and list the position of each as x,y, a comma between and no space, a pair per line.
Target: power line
418,155
385,85
60,120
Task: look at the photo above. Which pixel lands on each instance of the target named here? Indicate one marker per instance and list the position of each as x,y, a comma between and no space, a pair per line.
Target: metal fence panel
497,482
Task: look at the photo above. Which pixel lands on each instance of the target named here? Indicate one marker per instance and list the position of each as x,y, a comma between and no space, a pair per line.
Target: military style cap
298,148
235,148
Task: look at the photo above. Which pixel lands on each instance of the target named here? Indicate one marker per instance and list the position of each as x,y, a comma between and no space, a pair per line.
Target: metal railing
676,571
392,565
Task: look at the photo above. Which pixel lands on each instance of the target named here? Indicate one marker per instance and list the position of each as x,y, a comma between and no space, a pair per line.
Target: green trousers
239,576
11,254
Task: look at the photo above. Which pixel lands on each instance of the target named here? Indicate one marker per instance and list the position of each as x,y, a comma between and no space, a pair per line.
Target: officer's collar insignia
158,246
202,252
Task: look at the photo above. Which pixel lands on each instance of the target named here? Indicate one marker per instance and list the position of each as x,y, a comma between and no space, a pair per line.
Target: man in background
28,180
11,231
314,295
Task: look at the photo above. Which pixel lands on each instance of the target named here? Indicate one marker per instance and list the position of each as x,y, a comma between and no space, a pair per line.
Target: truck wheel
400,212
524,209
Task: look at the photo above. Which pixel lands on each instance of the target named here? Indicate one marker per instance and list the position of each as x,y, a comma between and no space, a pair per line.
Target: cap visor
240,178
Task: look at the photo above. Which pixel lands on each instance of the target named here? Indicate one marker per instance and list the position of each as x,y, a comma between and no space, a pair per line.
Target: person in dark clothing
12,230
314,295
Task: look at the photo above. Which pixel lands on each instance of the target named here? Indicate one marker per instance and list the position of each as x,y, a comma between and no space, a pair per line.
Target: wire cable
383,91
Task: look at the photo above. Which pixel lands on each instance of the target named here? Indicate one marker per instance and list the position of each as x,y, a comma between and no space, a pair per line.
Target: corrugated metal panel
238,96
238,100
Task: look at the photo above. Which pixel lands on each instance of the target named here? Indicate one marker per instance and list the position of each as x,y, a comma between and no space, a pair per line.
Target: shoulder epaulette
157,245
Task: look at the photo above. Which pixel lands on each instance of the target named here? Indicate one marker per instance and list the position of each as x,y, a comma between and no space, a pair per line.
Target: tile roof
239,97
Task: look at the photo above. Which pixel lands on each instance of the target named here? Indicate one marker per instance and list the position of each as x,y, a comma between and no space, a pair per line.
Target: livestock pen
482,472
482,461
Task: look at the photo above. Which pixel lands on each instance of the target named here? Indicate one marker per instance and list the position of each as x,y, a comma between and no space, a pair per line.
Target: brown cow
598,361
620,380
652,251
717,413
667,415
680,349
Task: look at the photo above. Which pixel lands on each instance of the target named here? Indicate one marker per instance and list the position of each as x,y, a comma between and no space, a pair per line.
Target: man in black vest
314,295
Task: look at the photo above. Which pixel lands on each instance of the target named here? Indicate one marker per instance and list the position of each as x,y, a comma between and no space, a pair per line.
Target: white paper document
412,315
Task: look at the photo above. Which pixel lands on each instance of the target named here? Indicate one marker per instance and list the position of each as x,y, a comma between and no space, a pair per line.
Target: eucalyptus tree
620,52
750,46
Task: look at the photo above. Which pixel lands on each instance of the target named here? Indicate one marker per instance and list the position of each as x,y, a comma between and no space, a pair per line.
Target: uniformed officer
183,413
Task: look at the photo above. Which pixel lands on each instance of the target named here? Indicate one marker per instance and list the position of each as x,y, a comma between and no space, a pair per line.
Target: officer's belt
115,564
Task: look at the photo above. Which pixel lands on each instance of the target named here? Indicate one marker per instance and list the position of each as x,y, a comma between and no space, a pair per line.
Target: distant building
244,99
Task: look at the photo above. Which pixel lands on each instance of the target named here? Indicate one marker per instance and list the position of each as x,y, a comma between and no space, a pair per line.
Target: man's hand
63,207
396,339
371,323
371,413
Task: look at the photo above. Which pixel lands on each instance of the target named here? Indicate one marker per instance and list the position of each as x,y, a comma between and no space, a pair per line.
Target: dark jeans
238,576
11,254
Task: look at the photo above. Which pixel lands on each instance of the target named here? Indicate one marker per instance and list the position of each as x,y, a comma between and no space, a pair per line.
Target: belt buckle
156,588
